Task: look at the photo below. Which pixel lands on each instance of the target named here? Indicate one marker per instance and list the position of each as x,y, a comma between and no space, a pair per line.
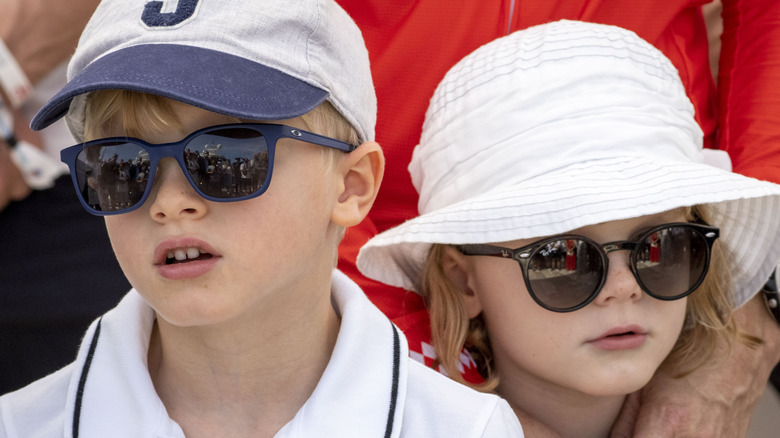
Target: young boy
238,324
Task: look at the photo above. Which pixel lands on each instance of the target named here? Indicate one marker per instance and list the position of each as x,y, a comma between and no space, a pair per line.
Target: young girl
570,234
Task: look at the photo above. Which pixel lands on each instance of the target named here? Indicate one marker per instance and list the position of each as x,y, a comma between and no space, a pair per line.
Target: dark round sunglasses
566,272
223,163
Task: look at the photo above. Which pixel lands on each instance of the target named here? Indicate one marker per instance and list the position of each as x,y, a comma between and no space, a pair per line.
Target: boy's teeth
182,254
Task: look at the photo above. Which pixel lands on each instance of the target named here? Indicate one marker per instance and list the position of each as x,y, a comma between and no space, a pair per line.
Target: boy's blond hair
135,113
708,316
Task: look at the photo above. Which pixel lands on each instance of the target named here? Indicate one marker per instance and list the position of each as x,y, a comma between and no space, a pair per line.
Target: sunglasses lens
112,176
672,261
565,273
228,163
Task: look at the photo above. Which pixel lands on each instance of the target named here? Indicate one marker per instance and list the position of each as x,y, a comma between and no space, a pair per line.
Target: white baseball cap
258,59
561,126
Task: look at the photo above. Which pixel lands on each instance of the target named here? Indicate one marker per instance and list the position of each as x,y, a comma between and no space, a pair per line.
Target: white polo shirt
370,387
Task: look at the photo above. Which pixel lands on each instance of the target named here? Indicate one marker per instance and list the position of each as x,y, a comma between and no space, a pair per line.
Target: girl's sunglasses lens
671,261
228,163
564,273
112,176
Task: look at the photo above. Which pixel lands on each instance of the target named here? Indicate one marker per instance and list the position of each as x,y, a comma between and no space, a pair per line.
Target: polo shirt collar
361,392
111,392
355,396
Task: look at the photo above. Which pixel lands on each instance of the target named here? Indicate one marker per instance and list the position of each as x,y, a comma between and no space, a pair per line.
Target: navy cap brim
208,79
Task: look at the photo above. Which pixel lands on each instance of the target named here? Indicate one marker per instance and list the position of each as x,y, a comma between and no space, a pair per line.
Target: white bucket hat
561,126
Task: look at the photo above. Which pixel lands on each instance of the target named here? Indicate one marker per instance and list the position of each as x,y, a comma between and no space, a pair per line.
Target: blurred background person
50,244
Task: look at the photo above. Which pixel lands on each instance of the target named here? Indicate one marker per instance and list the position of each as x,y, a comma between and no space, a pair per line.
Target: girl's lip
169,245
620,338
621,330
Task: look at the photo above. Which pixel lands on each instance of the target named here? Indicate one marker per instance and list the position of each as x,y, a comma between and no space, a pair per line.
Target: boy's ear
457,269
360,173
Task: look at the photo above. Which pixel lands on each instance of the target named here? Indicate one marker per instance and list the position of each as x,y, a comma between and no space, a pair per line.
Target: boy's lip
169,245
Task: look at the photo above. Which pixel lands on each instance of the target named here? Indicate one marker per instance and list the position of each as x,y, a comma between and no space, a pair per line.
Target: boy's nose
621,285
172,196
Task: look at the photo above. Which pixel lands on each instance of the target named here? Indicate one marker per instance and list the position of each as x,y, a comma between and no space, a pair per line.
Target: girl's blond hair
709,317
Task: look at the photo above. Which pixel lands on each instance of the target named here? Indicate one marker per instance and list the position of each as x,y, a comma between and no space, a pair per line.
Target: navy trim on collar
394,390
83,379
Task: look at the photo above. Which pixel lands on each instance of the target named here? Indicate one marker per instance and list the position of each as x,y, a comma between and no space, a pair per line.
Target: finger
624,424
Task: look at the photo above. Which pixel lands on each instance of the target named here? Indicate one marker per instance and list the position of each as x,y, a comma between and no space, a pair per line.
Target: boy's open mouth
184,255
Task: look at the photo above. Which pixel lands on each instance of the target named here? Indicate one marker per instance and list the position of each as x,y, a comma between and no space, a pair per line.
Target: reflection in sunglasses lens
112,176
228,163
224,163
564,273
668,262
671,261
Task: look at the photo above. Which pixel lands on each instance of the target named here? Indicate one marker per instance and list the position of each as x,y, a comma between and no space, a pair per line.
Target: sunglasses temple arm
486,250
321,140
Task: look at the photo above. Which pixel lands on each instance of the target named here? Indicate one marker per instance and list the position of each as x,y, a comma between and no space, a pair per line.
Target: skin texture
240,345
559,368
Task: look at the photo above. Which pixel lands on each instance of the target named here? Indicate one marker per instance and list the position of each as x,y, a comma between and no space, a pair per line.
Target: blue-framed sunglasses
566,272
223,163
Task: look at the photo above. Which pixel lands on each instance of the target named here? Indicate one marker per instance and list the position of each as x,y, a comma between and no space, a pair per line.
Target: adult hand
716,400
12,184
41,34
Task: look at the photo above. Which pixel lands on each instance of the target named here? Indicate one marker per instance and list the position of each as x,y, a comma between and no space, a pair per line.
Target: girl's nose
621,285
